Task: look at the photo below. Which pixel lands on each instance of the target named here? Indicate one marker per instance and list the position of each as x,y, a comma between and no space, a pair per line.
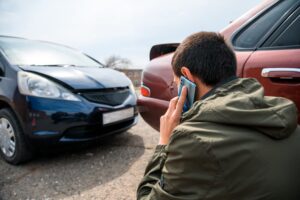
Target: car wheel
13,147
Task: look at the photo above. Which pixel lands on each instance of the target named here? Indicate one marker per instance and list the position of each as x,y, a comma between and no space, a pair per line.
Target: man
233,143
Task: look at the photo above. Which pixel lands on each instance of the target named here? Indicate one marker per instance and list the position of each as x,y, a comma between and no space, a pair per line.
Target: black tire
23,152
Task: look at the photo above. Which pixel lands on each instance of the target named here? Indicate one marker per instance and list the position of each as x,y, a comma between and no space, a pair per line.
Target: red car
267,44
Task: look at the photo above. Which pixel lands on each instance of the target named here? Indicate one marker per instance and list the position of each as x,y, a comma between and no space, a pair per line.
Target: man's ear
187,73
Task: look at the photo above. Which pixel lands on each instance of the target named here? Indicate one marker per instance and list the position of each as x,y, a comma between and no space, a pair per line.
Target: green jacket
234,144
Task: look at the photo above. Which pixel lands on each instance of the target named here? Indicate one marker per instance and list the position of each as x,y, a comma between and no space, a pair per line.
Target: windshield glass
30,52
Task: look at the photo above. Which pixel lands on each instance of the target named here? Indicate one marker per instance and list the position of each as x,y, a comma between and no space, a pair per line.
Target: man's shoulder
202,135
215,133
190,143
202,130
220,138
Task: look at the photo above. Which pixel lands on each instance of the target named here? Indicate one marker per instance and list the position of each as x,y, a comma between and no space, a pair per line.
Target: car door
276,63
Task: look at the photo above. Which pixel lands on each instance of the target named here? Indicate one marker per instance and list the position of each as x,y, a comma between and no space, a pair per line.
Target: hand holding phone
172,117
191,88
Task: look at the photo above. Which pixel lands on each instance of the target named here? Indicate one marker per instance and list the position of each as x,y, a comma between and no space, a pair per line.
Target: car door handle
281,73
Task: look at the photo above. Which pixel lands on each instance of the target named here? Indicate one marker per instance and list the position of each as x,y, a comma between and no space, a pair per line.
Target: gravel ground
107,170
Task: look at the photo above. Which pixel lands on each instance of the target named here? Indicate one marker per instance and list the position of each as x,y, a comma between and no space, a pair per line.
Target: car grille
111,97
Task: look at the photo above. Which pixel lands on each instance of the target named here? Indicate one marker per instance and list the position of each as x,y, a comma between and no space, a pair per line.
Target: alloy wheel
7,138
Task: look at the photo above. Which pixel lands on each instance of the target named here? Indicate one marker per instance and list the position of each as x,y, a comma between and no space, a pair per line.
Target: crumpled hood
82,77
241,102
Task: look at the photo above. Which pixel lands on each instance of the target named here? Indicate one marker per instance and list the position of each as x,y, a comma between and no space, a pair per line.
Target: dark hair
207,56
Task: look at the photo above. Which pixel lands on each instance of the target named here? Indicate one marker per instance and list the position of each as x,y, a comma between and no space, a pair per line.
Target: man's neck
202,90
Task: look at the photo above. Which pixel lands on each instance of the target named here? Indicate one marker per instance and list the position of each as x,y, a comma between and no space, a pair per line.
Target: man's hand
172,117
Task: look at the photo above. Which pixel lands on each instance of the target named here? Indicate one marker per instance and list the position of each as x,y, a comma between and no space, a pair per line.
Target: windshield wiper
61,65
52,65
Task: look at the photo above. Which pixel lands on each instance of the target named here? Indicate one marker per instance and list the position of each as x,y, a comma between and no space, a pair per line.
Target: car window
29,52
2,69
291,36
255,31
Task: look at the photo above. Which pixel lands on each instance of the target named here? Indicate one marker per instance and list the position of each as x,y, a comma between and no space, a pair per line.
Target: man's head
206,56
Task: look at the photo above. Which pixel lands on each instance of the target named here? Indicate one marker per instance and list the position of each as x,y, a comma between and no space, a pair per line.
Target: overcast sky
127,28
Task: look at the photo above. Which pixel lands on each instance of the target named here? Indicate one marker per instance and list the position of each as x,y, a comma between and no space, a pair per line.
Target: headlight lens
35,85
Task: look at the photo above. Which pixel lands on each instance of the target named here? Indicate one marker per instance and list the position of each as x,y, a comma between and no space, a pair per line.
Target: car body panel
151,110
82,77
162,80
53,120
242,58
280,84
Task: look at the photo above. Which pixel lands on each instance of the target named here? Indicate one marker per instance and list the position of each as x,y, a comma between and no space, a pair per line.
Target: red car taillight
145,91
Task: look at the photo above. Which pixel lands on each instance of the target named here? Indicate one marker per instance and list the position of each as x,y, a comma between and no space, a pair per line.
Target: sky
126,28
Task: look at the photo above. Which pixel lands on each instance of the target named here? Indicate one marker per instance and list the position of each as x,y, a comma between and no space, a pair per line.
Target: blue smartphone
191,89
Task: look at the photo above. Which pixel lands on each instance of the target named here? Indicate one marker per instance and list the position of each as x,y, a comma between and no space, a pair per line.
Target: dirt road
107,170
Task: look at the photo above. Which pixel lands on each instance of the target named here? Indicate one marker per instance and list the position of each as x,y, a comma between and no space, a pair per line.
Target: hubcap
7,138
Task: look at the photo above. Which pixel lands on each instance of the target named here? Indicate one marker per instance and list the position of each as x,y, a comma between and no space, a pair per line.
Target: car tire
12,136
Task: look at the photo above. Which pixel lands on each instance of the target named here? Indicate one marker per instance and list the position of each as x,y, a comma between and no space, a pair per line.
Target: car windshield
29,52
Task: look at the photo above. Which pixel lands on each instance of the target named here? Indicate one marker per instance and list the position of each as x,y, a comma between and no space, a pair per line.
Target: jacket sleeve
185,169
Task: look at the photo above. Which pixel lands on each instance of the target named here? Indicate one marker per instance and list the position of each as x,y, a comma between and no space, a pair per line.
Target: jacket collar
211,92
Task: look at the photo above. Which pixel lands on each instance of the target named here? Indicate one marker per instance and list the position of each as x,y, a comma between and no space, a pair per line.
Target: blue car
51,93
